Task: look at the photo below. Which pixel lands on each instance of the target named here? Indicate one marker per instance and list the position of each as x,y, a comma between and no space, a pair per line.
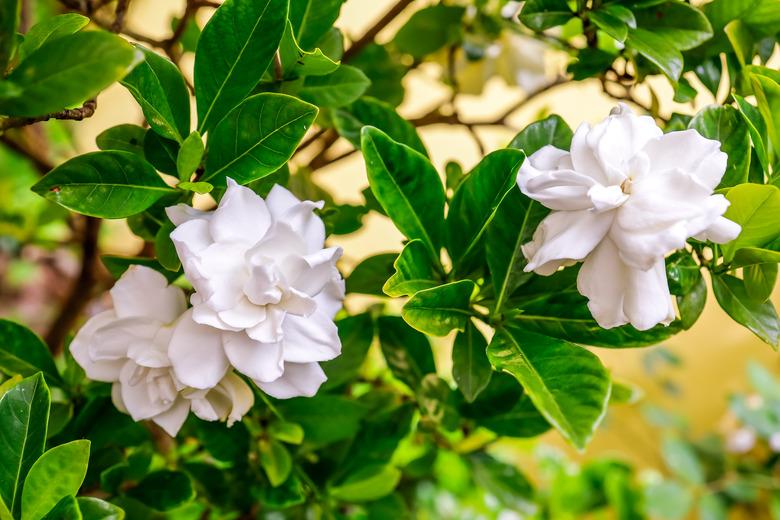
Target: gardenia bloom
128,346
624,197
266,292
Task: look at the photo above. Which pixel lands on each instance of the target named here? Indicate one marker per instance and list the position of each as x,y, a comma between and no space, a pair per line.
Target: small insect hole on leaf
55,189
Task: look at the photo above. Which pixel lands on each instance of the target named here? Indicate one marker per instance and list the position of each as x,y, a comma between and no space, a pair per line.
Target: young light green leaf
567,383
439,310
366,484
660,51
414,271
50,29
126,138
407,352
24,416
297,63
550,130
23,353
196,187
754,207
158,86
66,72
368,111
311,19
337,89
110,184
276,461
257,138
10,11
725,124
234,50
543,14
759,317
471,368
288,432
56,474
190,155
407,186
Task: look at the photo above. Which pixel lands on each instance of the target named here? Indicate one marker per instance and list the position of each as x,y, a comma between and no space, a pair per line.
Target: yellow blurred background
714,353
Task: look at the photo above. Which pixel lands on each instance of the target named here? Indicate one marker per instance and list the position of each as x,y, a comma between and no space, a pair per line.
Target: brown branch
119,15
368,37
73,114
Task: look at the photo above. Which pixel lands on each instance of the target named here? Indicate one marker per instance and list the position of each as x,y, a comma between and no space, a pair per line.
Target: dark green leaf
430,29
190,156
504,482
110,184
680,24
687,284
161,152
357,334
471,369
759,317
23,353
297,63
724,124
66,72
164,250
370,275
58,473
523,420
257,138
24,415
50,29
66,509
368,111
386,72
10,11
337,89
767,91
164,490
407,186
760,280
234,50
437,404
754,255
754,207
126,138
660,51
407,352
315,415
378,438
439,310
311,19
414,271
158,86
610,24
757,128
97,509
543,14
566,383
551,130
117,265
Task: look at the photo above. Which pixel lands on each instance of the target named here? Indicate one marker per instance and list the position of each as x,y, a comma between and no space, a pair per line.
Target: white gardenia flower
128,346
266,292
624,197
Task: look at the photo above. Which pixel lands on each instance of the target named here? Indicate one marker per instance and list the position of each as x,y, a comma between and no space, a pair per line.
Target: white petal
104,370
172,419
230,400
196,353
190,239
721,231
142,291
565,236
222,271
280,242
243,315
280,200
116,397
331,299
135,395
114,340
205,315
299,380
310,273
583,159
270,330
647,299
307,224
181,213
313,338
542,178
242,216
688,151
602,279
259,361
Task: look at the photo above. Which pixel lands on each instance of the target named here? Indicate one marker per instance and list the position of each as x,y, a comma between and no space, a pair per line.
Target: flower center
625,186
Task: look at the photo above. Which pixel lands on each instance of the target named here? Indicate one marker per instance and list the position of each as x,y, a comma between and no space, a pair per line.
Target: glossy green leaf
407,186
610,24
24,415
10,11
369,483
760,280
66,509
385,69
23,353
117,265
50,29
65,72
257,138
759,317
234,50
767,91
756,127
439,310
276,461
725,124
337,89
550,130
297,63
126,138
356,334
688,286
368,111
58,473
311,19
109,184
370,275
543,14
660,51
407,352
754,207
754,255
190,155
680,24
315,415
414,271
475,204
471,369
161,152
430,29
96,509
164,250
164,490
158,86
566,383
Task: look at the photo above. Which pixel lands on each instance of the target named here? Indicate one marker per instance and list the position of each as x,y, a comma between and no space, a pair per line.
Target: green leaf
681,459
190,156
471,369
407,352
164,490
668,500
687,284
158,86
756,127
234,50
23,353
257,138
755,208
288,432
551,130
368,111
386,71
680,24
439,310
311,19
66,509
543,14
117,265
660,51
368,483
356,334
126,138
110,184
370,275
475,204
97,509
759,317
504,482
66,72
610,24
201,188
297,63
567,383
712,507
430,29
414,271
724,124
337,89
767,91
58,473
754,255
10,11
276,461
407,186
161,152
760,280
315,415
164,250
50,29
24,415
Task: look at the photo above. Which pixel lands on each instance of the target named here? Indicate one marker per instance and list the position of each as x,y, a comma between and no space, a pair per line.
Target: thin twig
119,15
73,114
368,37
